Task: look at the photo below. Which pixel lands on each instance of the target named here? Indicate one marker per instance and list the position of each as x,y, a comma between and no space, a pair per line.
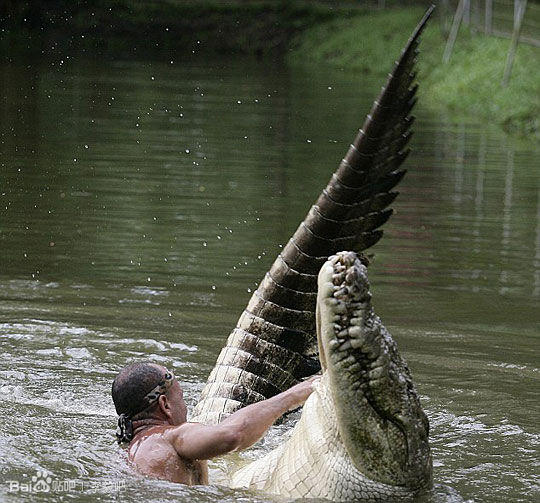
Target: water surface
140,204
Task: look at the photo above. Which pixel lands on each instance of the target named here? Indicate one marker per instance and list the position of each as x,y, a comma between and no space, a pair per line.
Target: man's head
146,390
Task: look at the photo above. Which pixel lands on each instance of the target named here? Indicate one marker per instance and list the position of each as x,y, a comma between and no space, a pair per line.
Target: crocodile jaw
380,420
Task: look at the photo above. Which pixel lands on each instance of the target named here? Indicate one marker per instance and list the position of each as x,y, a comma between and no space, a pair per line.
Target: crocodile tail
274,342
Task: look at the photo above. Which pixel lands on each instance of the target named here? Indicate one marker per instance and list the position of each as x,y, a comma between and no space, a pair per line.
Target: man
162,444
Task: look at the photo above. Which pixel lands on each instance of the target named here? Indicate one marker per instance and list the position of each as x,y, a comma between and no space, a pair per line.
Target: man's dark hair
132,384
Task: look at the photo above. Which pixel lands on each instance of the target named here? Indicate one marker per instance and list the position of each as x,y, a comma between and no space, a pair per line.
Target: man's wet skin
152,452
164,445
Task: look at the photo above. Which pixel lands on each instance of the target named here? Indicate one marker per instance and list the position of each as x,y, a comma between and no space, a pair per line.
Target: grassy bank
469,84
336,33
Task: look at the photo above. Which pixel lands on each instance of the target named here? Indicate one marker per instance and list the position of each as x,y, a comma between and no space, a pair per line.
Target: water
141,202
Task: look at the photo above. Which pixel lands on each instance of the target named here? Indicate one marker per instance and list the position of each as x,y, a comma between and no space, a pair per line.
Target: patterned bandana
124,431
162,387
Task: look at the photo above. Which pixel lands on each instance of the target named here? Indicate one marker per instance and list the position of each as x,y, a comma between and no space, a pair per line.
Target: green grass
469,84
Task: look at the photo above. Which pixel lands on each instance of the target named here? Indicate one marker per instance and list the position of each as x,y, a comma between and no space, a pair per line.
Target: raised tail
274,343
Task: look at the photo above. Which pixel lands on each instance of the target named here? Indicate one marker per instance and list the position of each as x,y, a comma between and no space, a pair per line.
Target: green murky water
141,202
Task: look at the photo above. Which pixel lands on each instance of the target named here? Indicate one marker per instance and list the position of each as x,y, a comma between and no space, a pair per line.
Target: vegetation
321,32
469,84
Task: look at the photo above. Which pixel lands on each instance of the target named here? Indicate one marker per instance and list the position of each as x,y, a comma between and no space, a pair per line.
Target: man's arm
239,430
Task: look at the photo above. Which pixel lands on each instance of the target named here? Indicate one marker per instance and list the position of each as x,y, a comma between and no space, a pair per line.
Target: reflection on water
140,204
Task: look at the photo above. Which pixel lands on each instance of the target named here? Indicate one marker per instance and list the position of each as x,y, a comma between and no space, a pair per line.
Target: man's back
154,455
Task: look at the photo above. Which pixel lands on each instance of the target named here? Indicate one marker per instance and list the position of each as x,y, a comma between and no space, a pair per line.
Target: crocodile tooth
333,344
350,360
359,308
357,343
343,333
355,367
346,345
350,276
341,292
355,331
376,373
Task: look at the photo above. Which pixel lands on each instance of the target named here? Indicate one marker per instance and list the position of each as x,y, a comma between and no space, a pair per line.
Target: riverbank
470,84
339,34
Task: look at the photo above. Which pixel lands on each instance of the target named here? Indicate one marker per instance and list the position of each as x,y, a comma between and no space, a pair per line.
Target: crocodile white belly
313,462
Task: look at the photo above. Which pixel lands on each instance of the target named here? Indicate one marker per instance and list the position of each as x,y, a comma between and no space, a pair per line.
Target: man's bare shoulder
153,454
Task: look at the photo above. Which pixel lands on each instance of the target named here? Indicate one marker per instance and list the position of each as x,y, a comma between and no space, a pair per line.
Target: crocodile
275,343
363,435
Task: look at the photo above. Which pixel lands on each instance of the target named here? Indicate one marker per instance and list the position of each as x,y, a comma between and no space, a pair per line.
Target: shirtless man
162,444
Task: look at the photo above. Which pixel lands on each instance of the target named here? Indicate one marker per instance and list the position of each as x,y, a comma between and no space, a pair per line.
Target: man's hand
299,393
239,430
